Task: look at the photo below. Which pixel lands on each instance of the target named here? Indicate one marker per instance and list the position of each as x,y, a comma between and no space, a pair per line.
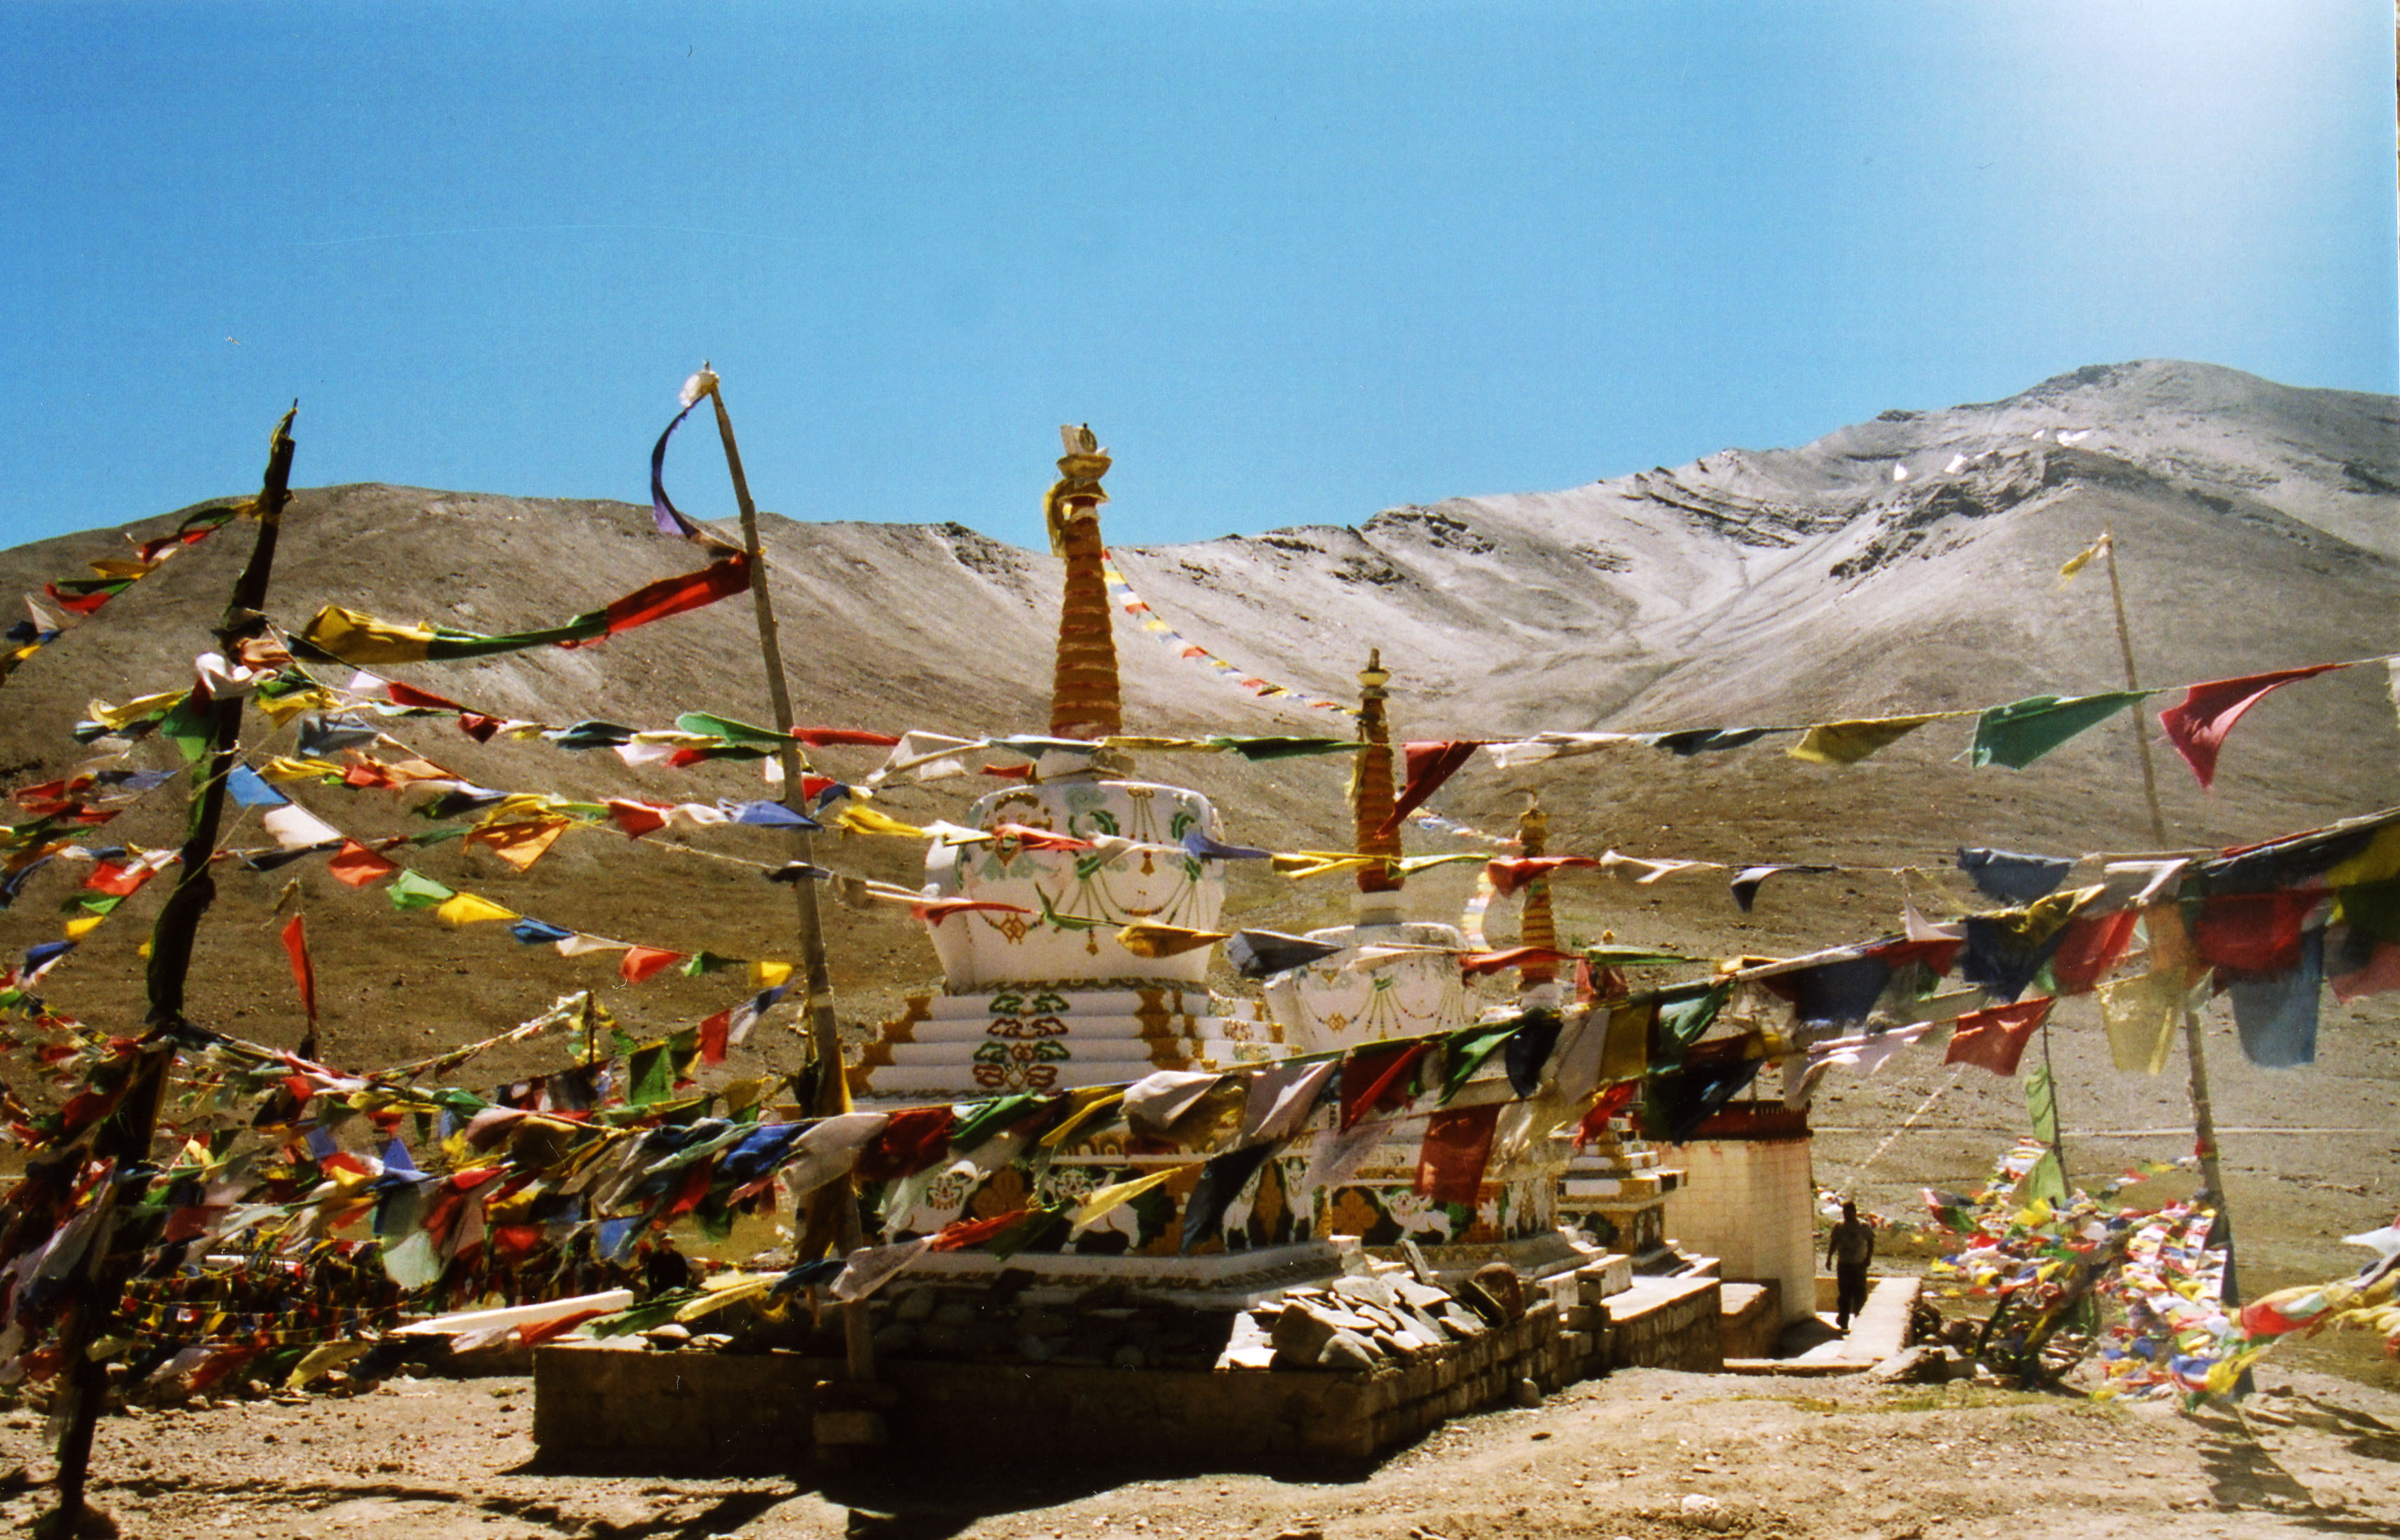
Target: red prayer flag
409,695
1473,964
1428,766
1996,1036
641,963
713,1034
1611,1102
673,595
2254,932
637,816
1375,1080
2092,945
817,738
123,882
358,865
915,1139
1508,875
81,603
970,1233
295,943
2198,725
1457,1147
934,911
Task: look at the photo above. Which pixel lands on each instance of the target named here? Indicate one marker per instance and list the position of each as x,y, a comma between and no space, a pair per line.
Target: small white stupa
1394,978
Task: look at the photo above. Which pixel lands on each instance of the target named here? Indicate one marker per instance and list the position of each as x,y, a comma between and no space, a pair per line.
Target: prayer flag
414,890
2022,731
1377,1080
304,976
2140,1014
1847,742
358,867
1456,1149
468,910
2198,724
1995,1037
1220,1183
1509,874
645,962
1428,766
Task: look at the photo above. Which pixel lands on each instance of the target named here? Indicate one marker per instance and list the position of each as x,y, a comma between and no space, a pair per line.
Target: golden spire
1372,796
1536,928
1084,697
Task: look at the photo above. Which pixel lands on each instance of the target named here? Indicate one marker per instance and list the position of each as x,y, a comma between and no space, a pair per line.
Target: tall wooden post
2203,1116
123,1141
831,1087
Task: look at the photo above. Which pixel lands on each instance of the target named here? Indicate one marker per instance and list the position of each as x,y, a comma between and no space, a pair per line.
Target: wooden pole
2203,1116
125,1139
832,1089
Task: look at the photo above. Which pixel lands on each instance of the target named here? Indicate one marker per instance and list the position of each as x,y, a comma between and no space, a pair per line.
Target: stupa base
1224,1280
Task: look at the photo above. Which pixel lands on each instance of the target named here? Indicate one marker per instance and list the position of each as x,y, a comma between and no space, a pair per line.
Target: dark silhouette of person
1849,1249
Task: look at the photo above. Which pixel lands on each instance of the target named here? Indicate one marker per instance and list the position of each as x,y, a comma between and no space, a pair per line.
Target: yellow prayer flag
117,716
1625,1051
766,974
283,708
2082,558
520,844
1847,742
1097,1208
467,909
362,639
1090,1102
2380,861
79,928
859,820
1301,865
119,566
284,769
2140,1015
1144,939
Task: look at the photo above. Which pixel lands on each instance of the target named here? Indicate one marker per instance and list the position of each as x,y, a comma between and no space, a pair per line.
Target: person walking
1849,1250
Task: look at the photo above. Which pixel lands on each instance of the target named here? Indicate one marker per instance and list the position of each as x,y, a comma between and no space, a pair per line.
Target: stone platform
625,1409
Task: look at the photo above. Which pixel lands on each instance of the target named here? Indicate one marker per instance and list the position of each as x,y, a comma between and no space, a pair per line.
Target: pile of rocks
1365,1322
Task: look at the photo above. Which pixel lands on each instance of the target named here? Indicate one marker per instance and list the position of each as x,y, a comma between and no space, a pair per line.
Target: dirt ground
1643,1453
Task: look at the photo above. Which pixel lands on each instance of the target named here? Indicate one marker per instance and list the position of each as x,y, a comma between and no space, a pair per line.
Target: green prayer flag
726,727
1685,1022
2022,731
708,963
1257,749
2041,1104
1464,1052
412,891
2045,1180
189,728
991,1118
2373,907
648,1076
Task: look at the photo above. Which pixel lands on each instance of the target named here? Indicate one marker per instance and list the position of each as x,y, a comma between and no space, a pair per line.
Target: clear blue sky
1294,261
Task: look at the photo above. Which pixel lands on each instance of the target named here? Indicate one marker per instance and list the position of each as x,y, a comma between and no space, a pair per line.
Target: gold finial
1533,827
1084,698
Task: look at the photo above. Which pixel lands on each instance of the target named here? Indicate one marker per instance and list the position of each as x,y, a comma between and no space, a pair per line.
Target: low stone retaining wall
1668,1323
632,1408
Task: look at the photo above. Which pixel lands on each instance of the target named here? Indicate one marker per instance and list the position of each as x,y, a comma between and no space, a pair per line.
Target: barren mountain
1907,564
